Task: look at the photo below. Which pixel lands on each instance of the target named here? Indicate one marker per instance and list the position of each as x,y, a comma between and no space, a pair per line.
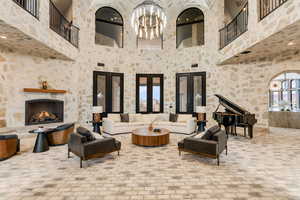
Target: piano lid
229,105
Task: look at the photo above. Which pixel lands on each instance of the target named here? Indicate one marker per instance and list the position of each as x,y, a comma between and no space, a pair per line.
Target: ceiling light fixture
291,43
3,37
148,20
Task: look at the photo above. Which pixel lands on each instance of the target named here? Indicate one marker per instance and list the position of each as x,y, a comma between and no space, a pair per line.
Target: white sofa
185,124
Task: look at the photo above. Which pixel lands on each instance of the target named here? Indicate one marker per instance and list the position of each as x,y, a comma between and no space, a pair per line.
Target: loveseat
185,124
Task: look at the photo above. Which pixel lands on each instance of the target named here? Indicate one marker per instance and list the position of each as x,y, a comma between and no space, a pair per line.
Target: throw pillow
86,133
210,132
124,117
173,117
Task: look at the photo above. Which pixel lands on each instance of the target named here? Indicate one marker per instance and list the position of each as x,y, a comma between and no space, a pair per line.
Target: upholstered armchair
60,135
211,144
86,147
9,146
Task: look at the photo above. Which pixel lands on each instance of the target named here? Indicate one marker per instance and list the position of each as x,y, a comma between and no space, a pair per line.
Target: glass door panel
183,94
143,94
197,91
101,91
116,94
156,88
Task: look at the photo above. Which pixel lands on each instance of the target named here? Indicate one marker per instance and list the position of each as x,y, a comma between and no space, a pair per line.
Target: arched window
190,28
109,27
285,92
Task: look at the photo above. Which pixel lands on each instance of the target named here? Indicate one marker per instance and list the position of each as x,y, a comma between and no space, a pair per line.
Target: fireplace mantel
36,90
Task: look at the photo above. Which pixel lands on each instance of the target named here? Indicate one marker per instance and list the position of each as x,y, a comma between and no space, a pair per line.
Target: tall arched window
109,27
190,28
285,92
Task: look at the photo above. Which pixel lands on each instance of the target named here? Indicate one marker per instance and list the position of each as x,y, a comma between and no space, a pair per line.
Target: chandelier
148,20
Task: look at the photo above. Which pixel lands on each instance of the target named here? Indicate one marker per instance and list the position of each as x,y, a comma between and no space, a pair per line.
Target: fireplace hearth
43,111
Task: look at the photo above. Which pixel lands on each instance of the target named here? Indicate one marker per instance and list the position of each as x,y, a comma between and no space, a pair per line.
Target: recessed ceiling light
291,43
3,37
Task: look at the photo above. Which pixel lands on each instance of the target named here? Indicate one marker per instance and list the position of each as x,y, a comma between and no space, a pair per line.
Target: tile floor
265,168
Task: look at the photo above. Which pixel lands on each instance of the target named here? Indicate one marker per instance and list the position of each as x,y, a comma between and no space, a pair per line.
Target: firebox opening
43,111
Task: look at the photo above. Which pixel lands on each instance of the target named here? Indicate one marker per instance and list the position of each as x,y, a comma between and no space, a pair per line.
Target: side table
97,126
201,125
41,142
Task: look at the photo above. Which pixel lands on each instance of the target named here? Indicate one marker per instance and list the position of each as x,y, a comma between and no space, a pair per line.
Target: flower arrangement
150,128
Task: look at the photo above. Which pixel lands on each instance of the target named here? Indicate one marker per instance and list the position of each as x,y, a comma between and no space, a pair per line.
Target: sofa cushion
184,118
86,133
122,124
114,117
210,132
150,117
138,124
135,117
173,117
124,117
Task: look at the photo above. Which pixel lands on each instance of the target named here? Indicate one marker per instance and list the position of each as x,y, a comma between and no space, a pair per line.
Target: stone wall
25,71
245,84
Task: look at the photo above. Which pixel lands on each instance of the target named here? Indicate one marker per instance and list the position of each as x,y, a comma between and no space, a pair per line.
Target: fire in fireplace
43,111
43,116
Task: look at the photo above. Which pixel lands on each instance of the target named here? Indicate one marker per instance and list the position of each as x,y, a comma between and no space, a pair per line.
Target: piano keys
234,116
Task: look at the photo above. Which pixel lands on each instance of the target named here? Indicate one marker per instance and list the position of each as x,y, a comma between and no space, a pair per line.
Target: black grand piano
234,116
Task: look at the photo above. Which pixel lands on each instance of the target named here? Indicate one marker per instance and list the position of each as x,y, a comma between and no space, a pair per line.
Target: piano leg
250,131
227,130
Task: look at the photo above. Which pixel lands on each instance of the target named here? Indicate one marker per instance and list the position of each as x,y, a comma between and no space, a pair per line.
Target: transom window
109,27
190,28
285,92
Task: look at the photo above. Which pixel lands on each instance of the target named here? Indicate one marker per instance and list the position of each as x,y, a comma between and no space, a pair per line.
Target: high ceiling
124,6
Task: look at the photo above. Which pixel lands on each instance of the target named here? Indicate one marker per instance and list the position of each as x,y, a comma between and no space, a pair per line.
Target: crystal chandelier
148,20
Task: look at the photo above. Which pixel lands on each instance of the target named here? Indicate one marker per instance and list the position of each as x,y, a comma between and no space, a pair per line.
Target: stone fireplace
43,111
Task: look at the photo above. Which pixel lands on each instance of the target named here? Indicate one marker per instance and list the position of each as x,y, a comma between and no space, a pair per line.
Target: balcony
235,28
271,31
268,6
62,26
31,6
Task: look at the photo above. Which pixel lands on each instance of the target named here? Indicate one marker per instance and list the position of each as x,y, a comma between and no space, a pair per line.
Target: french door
149,93
190,91
108,91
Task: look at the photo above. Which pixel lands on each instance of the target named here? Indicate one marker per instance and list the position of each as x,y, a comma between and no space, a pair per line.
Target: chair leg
118,153
226,150
80,162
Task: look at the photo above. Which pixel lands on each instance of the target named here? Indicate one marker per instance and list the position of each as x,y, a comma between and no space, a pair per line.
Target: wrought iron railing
31,6
62,26
268,6
235,28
